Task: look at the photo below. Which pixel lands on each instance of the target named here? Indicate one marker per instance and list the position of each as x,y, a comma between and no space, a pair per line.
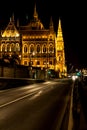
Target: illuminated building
33,45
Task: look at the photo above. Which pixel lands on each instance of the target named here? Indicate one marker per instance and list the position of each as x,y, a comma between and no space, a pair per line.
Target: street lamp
20,58
30,63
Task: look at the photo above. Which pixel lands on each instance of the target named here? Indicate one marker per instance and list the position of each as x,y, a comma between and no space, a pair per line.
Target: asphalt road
42,106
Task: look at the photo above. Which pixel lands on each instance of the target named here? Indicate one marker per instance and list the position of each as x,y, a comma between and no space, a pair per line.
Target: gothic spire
51,24
12,18
35,13
59,32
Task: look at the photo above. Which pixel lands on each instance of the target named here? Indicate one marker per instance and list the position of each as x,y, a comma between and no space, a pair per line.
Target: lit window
25,62
17,47
8,47
12,47
38,62
3,48
44,48
51,48
31,48
25,48
38,48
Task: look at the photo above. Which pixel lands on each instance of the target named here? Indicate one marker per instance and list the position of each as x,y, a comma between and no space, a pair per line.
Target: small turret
17,22
12,18
51,27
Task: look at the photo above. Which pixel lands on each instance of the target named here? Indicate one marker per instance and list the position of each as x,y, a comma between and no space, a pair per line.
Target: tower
60,52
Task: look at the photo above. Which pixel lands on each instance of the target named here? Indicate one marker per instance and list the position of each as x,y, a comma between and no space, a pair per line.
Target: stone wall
14,72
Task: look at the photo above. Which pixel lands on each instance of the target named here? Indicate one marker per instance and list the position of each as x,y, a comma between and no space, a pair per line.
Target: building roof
11,30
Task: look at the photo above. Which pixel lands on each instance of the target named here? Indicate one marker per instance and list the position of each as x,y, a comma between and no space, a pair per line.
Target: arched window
51,48
17,47
44,48
8,47
12,47
3,48
60,58
38,62
25,48
38,48
25,62
31,48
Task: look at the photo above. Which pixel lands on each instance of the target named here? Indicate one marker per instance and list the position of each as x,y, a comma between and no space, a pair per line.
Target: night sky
73,16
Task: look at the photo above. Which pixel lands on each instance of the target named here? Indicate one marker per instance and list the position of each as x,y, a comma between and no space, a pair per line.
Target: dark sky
73,18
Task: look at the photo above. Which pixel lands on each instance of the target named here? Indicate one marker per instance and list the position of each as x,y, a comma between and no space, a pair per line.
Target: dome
35,23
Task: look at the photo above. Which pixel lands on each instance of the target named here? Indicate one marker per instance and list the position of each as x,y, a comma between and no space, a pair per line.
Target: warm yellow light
17,35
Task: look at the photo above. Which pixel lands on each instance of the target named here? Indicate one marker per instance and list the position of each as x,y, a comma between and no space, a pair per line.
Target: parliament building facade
33,45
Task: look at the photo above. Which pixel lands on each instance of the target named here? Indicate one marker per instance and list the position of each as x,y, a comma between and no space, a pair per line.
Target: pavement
79,109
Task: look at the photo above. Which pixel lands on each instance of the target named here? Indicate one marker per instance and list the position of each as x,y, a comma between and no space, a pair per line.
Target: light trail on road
31,90
40,107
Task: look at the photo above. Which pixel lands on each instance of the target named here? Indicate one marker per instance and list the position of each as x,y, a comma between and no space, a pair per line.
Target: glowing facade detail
10,30
34,45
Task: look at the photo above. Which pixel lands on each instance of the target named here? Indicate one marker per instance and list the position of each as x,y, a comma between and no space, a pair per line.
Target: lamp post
35,71
30,66
46,70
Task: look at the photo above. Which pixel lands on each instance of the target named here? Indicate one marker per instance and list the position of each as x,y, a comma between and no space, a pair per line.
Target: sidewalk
80,115
83,100
82,123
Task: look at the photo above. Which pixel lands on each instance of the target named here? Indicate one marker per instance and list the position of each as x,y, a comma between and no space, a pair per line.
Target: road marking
18,99
70,124
30,94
